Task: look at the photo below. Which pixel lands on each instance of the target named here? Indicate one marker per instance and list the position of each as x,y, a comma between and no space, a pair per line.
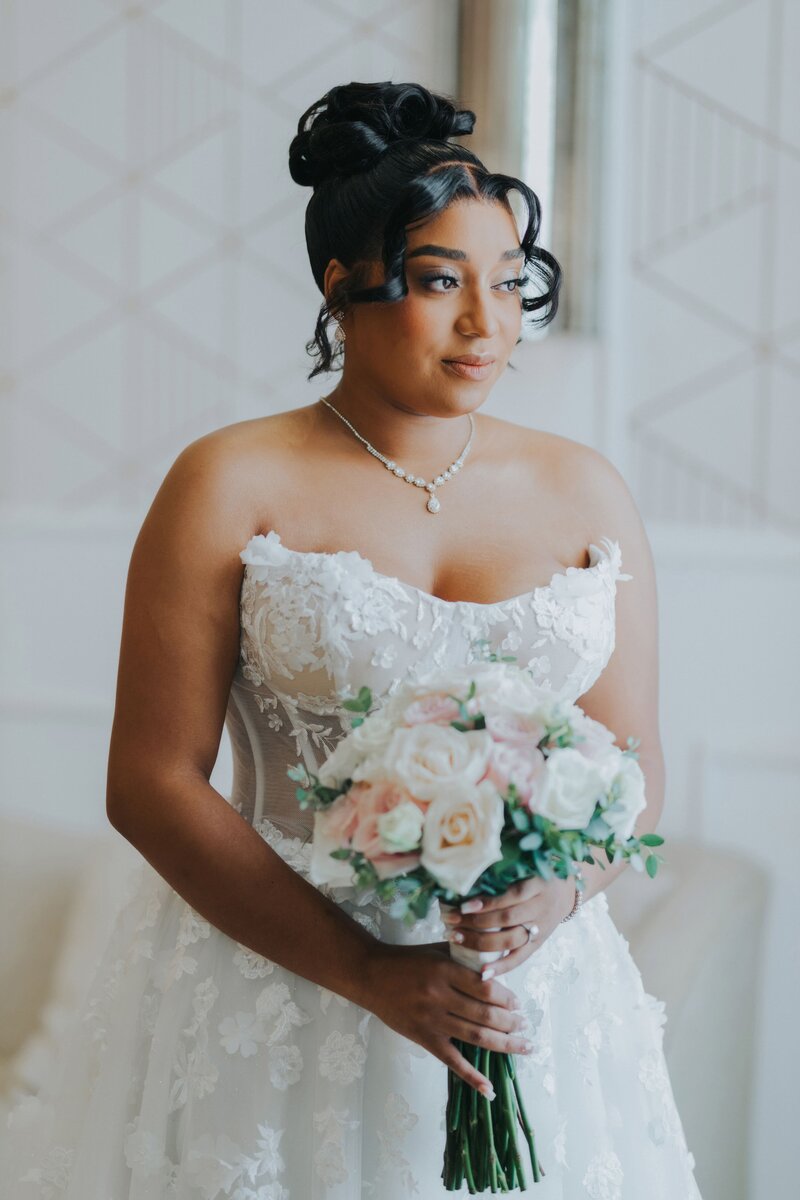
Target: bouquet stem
481,1142
481,1134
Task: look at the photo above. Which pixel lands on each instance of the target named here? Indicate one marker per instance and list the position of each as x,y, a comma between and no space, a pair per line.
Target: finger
483,1012
486,1038
515,958
503,939
509,914
524,889
468,981
452,1057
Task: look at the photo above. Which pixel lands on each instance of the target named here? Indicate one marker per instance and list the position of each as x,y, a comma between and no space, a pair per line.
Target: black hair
378,158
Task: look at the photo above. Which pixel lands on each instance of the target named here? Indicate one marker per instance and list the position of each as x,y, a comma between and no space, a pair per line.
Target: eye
428,279
432,278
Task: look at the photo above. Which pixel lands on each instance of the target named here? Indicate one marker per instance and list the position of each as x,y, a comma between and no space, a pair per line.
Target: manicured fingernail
488,1091
472,906
487,972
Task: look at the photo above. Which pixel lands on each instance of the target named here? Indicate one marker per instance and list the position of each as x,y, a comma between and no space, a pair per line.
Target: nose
477,317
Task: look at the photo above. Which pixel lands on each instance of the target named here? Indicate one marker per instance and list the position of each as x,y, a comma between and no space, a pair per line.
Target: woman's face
463,299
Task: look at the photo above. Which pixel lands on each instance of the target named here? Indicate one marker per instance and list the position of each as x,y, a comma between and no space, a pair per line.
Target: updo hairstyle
378,158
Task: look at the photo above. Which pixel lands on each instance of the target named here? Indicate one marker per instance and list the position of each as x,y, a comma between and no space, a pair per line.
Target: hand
426,996
532,901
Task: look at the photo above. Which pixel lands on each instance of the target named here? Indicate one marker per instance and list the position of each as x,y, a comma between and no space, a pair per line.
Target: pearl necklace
433,504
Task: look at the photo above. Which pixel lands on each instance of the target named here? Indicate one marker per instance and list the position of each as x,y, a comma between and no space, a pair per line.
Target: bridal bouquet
463,783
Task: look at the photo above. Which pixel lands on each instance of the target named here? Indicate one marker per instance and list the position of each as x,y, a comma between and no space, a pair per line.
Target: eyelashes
427,279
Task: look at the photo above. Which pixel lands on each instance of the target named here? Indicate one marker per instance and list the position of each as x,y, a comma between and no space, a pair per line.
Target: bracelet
578,898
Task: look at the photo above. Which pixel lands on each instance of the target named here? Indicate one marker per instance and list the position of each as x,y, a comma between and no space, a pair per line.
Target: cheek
417,322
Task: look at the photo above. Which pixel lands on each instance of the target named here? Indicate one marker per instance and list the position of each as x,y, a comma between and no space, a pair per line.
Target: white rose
429,760
622,816
369,738
608,763
488,677
571,787
461,835
400,829
504,686
515,692
456,678
441,682
594,733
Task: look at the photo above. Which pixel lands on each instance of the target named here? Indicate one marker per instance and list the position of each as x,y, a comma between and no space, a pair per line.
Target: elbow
117,811
124,797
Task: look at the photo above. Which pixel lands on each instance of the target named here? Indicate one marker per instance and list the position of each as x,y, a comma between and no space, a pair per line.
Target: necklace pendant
433,505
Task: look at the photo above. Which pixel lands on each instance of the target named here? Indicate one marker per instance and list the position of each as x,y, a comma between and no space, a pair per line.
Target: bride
251,1035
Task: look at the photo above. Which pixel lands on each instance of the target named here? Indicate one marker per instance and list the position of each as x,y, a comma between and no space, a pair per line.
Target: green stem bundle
481,1140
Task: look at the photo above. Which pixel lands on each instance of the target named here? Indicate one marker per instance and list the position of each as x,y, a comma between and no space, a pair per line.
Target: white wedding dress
199,1070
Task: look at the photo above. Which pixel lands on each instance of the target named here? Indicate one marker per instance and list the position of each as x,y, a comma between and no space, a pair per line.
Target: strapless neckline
601,553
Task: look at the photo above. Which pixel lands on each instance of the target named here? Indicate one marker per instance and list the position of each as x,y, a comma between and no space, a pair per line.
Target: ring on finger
532,932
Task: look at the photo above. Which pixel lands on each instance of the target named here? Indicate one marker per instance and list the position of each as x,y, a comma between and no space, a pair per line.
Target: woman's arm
180,645
626,696
179,650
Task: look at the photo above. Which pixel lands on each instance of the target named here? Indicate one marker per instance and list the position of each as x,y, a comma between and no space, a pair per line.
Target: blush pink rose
515,727
389,865
435,709
372,800
522,764
341,817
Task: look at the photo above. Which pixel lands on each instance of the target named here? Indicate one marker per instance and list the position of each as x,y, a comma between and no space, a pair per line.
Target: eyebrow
448,252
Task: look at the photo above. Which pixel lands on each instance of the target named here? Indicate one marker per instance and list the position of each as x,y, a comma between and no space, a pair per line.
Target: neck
419,442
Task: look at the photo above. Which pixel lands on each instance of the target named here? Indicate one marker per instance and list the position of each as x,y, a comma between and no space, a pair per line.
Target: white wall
705,348
155,285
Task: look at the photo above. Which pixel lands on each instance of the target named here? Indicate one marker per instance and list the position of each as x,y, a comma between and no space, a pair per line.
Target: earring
339,335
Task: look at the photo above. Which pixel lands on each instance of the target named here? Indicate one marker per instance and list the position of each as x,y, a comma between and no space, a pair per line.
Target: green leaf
521,818
651,865
299,773
651,839
360,703
531,841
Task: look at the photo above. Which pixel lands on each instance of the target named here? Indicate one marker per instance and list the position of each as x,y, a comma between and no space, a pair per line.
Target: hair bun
355,123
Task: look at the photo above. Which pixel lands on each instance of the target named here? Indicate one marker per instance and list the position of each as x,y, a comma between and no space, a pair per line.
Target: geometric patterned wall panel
714,303
154,280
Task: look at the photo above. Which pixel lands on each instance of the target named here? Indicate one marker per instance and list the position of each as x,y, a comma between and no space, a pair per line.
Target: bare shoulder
600,489
232,469
588,485
203,509
592,481
244,444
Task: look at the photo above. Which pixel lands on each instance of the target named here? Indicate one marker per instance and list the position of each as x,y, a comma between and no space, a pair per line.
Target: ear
333,273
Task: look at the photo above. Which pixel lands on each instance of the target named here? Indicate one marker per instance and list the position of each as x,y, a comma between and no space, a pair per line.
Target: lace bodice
316,626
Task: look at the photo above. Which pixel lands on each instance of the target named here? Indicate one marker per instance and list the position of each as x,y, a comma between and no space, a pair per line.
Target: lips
472,360
469,370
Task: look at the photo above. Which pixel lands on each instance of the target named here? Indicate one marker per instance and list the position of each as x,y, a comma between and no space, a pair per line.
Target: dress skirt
198,1070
